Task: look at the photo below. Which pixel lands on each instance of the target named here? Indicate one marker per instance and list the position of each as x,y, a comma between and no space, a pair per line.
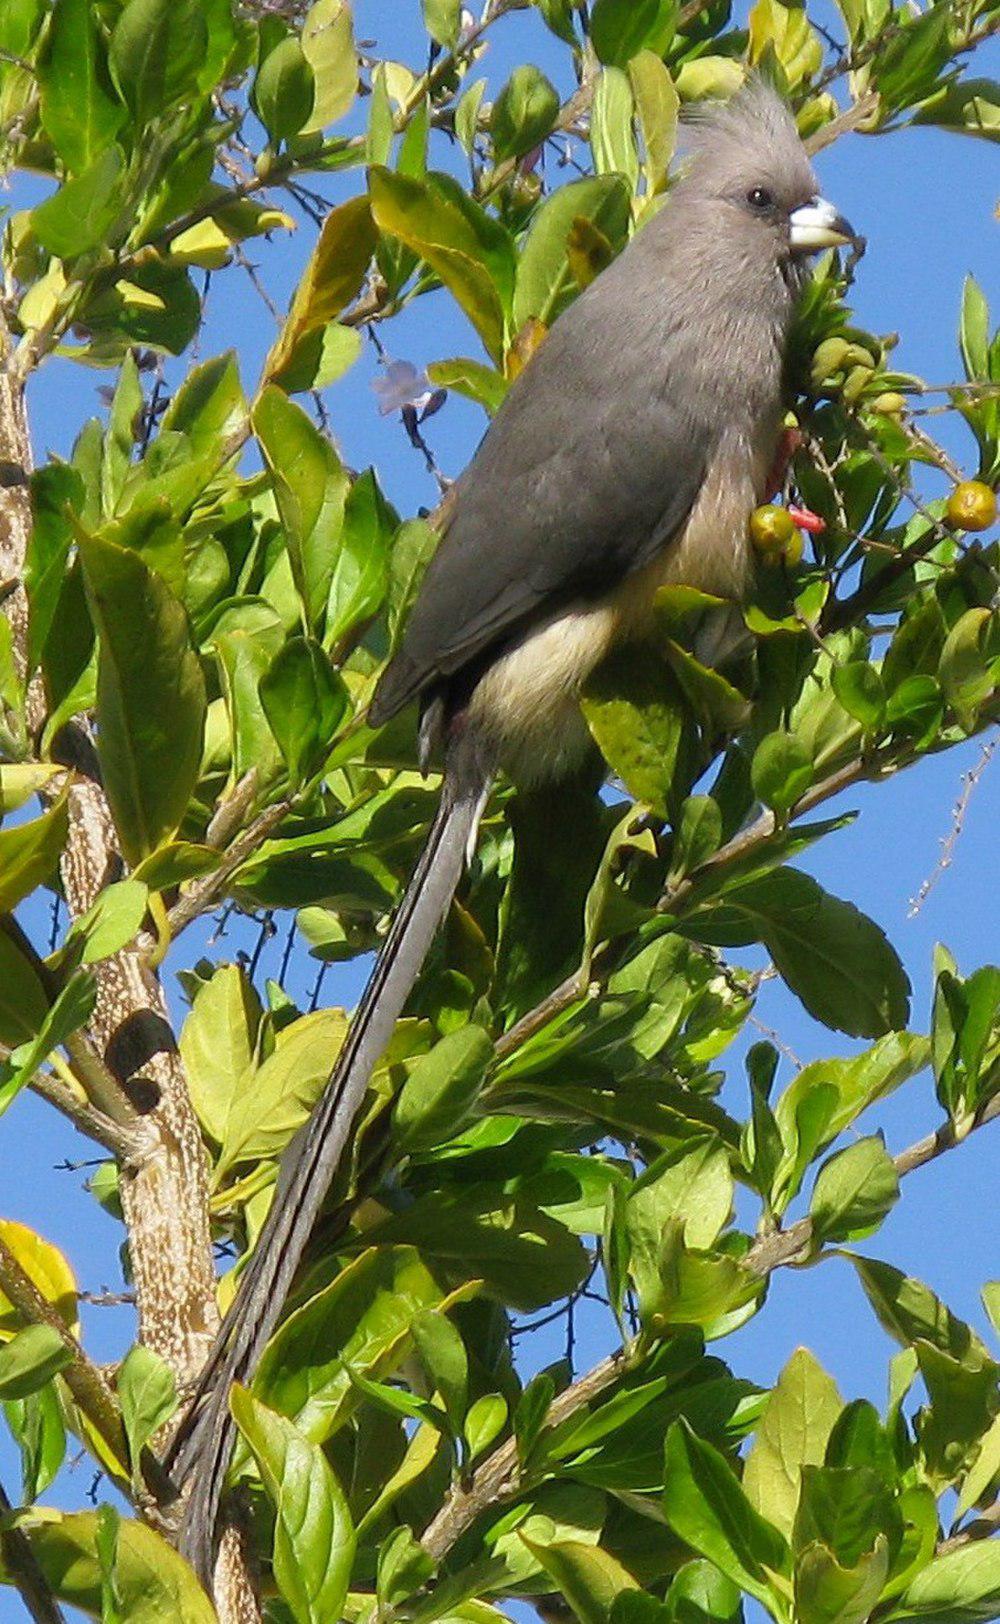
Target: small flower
402,385
407,389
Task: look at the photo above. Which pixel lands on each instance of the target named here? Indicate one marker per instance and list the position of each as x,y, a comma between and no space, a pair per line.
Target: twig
501,1477
951,839
121,1141
500,1474
99,1083
25,1573
791,1245
201,894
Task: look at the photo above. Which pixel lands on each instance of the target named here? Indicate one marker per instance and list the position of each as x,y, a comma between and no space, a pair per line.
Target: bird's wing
576,484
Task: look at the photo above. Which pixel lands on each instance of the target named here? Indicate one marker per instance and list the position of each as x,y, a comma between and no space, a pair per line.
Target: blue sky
925,202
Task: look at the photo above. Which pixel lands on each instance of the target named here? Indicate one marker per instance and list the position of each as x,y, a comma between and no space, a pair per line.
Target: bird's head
751,174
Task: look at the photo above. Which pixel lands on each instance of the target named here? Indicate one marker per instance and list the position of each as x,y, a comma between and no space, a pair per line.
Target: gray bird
629,454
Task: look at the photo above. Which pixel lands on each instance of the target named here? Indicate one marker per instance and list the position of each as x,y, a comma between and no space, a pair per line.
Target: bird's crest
755,123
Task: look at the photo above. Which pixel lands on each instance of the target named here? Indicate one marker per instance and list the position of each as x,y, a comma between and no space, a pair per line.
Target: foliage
547,1114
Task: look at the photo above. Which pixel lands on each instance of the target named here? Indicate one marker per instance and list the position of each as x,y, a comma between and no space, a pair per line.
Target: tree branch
501,1477
791,1245
84,1380
121,1142
201,894
25,1573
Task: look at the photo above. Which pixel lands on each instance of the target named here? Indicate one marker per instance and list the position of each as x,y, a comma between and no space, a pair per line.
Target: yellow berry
890,404
828,359
774,536
972,506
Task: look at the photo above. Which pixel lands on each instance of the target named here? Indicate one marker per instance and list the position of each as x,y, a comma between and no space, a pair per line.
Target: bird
628,455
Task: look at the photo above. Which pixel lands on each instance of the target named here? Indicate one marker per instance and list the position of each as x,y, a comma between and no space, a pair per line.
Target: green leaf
310,487
24,1002
961,1587
151,700
29,854
471,253
209,406
446,1362
360,578
403,1568
793,1433
523,113
30,1359
781,771
154,1583
275,1099
611,138
640,722
619,29
217,1043
854,1191
37,1426
965,671
304,700
442,19
966,1016
558,15
147,1392
484,1423
706,1507
588,1577
56,491
843,1089
157,50
974,331
328,47
284,89
362,1320
657,104
313,1533
441,1089
530,1412
71,1010
697,835
910,1312
332,277
544,277
111,922
79,216
835,959
858,685
81,114
911,58
480,383
827,1592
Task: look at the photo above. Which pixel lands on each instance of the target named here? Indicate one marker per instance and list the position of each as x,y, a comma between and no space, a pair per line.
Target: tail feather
203,1445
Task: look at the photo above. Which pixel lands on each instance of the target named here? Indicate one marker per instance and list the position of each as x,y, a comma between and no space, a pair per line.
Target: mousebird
628,454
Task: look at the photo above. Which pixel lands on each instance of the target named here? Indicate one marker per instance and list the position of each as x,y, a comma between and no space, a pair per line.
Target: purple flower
402,385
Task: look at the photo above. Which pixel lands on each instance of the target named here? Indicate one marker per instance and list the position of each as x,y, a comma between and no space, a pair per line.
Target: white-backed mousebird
630,453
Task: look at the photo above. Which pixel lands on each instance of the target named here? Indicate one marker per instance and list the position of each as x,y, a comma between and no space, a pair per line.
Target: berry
774,536
972,506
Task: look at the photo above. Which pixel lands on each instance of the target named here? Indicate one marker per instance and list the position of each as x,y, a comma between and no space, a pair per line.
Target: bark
164,1187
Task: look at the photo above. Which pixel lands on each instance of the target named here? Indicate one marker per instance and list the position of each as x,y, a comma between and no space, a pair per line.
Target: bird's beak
817,225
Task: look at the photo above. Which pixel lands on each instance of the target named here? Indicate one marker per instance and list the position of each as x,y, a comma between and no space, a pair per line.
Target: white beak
817,225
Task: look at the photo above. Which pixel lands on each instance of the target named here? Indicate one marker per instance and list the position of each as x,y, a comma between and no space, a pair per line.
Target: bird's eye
760,198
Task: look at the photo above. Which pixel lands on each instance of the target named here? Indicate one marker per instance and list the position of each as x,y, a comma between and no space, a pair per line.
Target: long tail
203,1444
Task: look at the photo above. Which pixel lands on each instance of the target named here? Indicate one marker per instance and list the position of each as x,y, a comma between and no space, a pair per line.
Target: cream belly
527,704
